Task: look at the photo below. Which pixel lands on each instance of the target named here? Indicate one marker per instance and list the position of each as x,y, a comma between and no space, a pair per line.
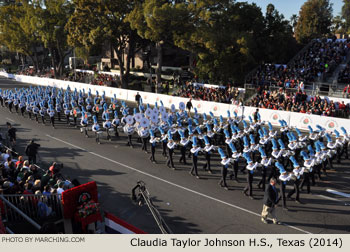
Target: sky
290,7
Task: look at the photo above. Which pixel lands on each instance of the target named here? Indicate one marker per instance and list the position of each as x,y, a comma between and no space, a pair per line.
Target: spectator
11,132
189,106
346,91
138,99
31,151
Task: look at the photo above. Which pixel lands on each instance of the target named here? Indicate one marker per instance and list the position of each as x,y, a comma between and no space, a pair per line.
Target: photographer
31,151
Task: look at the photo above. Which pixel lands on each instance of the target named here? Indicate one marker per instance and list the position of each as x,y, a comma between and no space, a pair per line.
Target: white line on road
346,195
10,119
326,197
176,185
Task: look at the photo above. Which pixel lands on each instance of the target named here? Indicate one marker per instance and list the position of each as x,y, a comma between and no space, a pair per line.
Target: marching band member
129,129
153,142
253,146
283,178
297,172
246,128
234,160
272,133
308,164
183,146
107,125
225,161
208,149
331,150
321,160
276,154
52,116
246,146
116,123
22,105
171,145
228,140
339,145
96,129
163,139
210,133
35,111
144,134
42,112
84,123
195,152
312,135
264,164
302,139
345,142
66,111
217,130
284,130
251,166
236,119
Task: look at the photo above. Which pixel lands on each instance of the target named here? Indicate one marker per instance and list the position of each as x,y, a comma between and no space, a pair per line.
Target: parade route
187,204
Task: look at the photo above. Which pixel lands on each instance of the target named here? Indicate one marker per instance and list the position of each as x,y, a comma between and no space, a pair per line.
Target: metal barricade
17,206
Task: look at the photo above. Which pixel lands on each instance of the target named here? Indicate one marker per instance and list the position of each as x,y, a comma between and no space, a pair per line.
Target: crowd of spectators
344,75
19,176
299,102
320,60
228,94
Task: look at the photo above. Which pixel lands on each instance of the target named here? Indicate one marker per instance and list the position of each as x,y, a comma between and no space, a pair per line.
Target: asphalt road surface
187,204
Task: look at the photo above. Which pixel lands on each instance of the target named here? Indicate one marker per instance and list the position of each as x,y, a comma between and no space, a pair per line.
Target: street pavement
188,205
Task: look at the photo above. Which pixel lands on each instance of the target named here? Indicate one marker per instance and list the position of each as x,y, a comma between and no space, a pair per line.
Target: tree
338,25
315,20
16,33
345,11
280,44
48,18
294,20
223,34
106,23
155,20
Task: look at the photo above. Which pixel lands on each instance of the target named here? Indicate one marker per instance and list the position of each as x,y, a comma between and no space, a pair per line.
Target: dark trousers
32,159
22,111
59,116
97,137
183,154
67,116
43,119
273,173
206,166
223,176
194,165
153,151
30,115
295,190
108,136
249,186
235,169
52,119
263,179
306,181
170,161
129,140
36,118
283,194
345,150
144,143
164,143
